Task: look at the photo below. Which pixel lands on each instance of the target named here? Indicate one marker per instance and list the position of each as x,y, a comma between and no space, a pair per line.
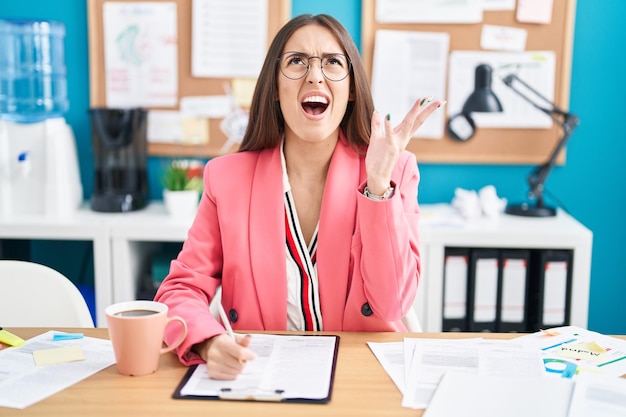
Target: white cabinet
124,242
439,231
135,237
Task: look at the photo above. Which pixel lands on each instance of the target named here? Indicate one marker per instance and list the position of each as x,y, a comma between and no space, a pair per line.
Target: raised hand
386,145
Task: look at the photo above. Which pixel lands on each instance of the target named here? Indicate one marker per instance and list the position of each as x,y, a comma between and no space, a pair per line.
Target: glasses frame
308,67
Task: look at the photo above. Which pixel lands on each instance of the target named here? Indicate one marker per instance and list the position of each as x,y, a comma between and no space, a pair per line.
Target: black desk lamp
461,127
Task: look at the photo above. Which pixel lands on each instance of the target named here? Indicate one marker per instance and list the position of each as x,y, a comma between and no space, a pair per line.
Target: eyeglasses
295,65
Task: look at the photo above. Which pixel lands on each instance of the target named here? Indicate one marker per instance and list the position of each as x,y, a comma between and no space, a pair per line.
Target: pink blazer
368,258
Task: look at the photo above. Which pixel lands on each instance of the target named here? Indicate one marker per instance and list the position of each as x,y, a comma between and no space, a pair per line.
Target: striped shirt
303,304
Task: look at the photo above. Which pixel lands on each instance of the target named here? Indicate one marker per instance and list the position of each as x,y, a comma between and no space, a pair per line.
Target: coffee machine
119,138
39,171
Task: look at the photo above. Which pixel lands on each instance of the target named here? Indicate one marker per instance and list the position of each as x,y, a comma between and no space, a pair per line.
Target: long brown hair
266,123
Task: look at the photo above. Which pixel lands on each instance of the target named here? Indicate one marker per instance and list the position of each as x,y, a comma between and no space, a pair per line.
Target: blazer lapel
267,240
337,225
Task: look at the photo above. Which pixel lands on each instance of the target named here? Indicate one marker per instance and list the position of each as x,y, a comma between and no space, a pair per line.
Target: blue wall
590,185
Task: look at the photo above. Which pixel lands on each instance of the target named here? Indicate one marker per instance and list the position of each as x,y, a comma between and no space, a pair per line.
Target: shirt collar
283,164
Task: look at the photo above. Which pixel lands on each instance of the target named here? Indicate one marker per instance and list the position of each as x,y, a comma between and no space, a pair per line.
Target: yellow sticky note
243,89
195,131
58,355
589,351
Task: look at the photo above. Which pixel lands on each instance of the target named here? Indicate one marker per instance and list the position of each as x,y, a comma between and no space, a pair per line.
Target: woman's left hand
385,146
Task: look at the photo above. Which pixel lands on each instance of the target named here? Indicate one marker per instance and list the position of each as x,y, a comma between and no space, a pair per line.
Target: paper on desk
473,395
391,356
469,395
432,358
22,383
598,397
556,351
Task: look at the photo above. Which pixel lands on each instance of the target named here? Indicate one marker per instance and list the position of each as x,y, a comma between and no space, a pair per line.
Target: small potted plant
182,186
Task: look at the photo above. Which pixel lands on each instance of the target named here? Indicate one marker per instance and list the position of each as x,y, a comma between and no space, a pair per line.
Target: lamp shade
482,99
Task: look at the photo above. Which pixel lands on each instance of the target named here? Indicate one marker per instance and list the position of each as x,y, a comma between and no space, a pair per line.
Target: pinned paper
58,355
195,131
534,11
205,106
165,126
243,89
503,38
590,351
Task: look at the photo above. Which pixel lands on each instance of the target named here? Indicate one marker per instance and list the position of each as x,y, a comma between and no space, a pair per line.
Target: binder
513,290
483,290
455,277
288,368
551,289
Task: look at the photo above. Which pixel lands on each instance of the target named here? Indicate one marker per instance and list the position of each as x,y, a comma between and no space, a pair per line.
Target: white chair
412,321
35,295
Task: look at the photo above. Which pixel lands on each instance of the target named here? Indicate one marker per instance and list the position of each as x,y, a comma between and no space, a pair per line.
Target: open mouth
315,105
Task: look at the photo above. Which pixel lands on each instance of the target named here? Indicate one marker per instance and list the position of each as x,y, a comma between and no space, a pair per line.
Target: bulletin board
279,11
492,145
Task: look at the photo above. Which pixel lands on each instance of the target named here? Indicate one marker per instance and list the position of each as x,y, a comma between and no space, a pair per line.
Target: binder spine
513,290
483,290
455,291
550,303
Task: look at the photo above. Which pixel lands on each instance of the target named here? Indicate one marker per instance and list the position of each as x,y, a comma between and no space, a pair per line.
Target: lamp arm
538,176
568,123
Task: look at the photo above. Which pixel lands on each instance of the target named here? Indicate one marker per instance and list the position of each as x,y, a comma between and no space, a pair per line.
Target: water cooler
39,171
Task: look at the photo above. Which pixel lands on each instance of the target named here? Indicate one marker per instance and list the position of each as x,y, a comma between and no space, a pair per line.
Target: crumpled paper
472,204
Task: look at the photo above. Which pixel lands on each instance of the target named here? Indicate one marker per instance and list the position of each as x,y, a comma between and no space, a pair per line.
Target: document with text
25,380
287,368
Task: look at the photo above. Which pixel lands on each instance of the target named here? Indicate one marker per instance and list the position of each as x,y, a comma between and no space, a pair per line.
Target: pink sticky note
534,11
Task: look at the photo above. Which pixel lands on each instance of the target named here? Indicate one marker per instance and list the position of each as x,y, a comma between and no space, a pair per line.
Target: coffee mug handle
182,337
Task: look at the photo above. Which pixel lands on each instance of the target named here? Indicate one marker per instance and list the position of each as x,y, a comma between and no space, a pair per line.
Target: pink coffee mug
136,330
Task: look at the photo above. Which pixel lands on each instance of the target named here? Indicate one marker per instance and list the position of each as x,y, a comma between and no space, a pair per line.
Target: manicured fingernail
422,102
388,116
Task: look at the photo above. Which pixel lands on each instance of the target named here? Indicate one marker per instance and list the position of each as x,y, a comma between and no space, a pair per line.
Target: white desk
123,243
83,225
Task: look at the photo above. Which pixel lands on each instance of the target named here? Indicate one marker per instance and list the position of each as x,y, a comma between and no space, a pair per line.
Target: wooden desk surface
361,387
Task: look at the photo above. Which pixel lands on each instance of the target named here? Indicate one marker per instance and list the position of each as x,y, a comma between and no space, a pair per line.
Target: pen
225,321
228,327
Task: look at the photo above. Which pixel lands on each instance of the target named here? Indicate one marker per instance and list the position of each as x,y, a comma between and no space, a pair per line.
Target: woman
313,224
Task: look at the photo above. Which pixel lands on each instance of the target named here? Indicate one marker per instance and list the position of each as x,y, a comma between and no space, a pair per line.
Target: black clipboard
254,394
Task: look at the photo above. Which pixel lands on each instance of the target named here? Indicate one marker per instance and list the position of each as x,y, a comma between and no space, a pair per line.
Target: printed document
228,38
429,11
429,359
23,383
140,54
535,68
409,66
287,368
461,394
